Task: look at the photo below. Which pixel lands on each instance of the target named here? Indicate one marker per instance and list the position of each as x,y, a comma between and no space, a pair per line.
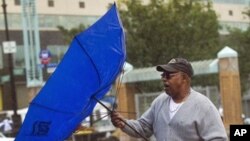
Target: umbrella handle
120,119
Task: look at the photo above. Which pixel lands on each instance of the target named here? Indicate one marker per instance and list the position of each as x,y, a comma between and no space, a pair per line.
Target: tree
240,41
159,31
68,34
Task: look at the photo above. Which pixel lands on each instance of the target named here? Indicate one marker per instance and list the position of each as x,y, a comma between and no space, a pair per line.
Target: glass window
57,52
232,1
17,2
110,5
19,57
230,12
51,3
52,21
82,4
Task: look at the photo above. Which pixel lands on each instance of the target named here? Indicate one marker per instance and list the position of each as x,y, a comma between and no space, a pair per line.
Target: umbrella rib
99,77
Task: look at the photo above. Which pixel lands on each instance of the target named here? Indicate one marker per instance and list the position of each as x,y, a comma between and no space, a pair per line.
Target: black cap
175,65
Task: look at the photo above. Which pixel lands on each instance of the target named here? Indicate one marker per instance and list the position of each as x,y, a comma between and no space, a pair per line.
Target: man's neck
182,96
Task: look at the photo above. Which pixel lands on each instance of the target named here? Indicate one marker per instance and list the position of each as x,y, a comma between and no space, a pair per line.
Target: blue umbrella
89,67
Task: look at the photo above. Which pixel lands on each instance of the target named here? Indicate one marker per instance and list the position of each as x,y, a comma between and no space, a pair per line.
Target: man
179,114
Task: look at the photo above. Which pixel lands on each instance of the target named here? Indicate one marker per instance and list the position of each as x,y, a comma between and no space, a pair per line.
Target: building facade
50,13
69,14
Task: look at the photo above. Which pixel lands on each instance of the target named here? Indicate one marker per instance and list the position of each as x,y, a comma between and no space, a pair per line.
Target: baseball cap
175,65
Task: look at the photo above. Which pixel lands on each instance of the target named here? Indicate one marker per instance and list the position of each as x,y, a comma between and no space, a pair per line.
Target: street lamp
15,117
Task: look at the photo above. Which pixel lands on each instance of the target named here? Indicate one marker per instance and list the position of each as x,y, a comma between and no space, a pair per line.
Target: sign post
10,47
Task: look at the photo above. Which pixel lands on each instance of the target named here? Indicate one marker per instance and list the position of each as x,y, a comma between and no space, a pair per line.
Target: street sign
9,47
45,56
51,67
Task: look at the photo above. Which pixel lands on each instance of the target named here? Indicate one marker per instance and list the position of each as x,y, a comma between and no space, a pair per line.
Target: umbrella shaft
120,119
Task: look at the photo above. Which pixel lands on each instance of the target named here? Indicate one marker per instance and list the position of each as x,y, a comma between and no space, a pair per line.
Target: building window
81,4
230,12
51,3
17,2
110,5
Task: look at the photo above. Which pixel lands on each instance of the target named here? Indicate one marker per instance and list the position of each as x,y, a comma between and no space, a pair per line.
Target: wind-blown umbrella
86,72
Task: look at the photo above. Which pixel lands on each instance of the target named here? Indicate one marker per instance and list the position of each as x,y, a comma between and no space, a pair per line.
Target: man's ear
185,77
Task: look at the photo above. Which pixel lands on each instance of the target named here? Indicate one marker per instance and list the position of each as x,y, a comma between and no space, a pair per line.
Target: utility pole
15,117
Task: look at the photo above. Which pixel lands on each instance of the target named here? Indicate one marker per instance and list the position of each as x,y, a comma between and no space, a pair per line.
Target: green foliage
159,31
240,41
68,34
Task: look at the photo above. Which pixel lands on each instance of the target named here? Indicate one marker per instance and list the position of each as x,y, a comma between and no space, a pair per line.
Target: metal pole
10,61
16,118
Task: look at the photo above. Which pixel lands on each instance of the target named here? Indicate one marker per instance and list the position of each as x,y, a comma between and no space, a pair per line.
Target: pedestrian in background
178,114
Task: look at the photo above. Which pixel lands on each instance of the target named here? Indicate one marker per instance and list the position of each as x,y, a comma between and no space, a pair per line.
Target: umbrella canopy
89,67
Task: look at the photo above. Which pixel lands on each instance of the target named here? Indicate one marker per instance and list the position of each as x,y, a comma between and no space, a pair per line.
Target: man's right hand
117,119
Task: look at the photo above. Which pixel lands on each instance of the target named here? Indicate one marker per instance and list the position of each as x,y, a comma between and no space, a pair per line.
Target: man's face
172,82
